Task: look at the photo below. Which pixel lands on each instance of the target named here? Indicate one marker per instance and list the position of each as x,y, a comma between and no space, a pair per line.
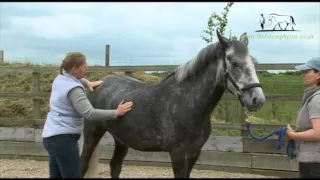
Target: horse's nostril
254,101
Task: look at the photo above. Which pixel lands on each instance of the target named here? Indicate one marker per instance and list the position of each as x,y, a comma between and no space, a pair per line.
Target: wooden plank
265,127
111,68
284,97
224,143
4,122
232,159
206,158
22,148
40,95
17,134
212,158
279,173
266,146
6,69
274,162
227,126
9,122
277,66
242,126
214,143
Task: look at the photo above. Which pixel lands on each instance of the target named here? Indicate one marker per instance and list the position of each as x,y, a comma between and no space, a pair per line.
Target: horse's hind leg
286,26
119,153
89,158
182,163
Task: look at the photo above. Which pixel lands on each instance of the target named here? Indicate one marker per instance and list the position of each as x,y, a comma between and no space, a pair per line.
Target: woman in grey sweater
68,108
307,133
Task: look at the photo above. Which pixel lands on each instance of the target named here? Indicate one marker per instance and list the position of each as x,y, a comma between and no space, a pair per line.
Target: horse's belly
141,143
139,139
148,140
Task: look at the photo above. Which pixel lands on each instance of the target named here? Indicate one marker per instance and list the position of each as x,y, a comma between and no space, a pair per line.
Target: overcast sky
147,33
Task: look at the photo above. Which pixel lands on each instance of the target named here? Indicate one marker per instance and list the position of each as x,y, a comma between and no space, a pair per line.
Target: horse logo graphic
278,22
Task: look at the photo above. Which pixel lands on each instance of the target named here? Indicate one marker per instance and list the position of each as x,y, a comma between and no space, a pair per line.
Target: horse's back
121,82
114,89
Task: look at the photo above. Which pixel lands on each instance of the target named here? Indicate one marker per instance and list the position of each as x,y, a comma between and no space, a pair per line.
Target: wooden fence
224,153
233,152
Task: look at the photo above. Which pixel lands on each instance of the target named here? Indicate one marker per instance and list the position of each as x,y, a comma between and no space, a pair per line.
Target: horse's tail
292,20
92,171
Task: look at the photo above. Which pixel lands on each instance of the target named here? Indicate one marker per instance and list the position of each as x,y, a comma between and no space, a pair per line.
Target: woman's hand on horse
124,108
94,84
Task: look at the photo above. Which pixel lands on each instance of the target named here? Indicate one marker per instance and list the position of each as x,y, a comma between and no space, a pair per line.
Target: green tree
217,22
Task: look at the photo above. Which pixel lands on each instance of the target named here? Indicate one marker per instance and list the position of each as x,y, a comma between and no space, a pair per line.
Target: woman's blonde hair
72,59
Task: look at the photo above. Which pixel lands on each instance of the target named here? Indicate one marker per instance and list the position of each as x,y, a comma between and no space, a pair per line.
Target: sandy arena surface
21,168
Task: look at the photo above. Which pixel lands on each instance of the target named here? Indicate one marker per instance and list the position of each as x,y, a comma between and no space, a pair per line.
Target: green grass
273,112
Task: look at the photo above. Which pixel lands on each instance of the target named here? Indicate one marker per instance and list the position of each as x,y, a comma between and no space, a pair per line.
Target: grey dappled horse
172,115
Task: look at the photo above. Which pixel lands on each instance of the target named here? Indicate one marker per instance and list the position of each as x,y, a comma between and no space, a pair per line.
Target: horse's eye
234,64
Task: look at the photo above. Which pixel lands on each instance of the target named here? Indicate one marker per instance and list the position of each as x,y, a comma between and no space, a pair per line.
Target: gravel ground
21,168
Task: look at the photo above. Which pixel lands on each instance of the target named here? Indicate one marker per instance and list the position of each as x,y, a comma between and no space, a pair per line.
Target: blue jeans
64,158
309,170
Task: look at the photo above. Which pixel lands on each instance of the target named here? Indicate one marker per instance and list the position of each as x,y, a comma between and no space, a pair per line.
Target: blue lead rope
281,133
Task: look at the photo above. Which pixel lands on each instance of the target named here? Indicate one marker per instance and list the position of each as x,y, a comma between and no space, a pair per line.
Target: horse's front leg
183,162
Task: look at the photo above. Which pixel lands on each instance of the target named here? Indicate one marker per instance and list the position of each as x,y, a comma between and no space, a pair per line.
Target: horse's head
240,76
272,18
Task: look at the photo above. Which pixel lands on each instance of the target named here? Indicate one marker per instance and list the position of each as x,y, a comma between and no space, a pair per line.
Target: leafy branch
217,22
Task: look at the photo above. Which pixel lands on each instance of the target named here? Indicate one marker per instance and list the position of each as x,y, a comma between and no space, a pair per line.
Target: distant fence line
44,69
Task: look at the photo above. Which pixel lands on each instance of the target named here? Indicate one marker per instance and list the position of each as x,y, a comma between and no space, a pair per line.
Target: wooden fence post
36,111
1,56
107,62
244,132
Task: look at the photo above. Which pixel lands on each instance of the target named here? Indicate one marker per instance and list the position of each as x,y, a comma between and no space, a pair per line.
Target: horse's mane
204,56
191,67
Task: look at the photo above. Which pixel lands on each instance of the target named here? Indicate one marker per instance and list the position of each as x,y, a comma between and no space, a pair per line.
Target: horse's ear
244,39
224,41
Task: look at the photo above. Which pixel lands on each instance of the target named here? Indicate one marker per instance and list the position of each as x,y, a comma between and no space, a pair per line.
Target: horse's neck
208,88
205,89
